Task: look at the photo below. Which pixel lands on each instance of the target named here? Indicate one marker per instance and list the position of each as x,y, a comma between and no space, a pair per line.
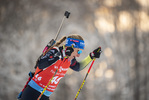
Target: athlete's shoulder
54,50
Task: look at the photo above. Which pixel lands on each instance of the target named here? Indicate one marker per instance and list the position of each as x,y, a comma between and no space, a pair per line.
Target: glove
96,53
19,96
68,51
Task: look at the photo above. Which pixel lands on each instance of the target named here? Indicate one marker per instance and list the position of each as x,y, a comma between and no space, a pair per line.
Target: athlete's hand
96,53
68,51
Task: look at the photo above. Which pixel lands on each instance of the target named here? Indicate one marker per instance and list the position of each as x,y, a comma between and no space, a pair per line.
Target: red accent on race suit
43,78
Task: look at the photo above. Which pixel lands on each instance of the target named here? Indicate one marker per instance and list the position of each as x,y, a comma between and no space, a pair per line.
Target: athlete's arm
77,66
48,59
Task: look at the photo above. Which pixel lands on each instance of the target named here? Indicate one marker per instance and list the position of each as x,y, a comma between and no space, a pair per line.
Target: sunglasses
79,51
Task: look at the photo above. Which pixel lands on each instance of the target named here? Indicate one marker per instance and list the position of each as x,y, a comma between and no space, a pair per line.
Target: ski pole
99,50
30,77
52,42
47,85
84,79
49,82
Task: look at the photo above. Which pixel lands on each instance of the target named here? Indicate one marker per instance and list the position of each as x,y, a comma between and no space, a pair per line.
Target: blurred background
120,27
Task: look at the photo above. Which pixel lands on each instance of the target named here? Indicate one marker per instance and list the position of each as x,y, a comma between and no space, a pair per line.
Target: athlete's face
75,53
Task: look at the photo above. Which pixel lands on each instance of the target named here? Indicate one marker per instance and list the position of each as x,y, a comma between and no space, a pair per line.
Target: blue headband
75,42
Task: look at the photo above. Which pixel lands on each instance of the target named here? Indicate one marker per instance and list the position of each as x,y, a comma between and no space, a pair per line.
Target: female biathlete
57,59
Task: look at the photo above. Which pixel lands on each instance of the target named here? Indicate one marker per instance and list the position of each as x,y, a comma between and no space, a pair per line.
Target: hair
75,36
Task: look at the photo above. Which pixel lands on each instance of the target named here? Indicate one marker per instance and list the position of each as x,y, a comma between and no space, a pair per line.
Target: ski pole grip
67,14
99,50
